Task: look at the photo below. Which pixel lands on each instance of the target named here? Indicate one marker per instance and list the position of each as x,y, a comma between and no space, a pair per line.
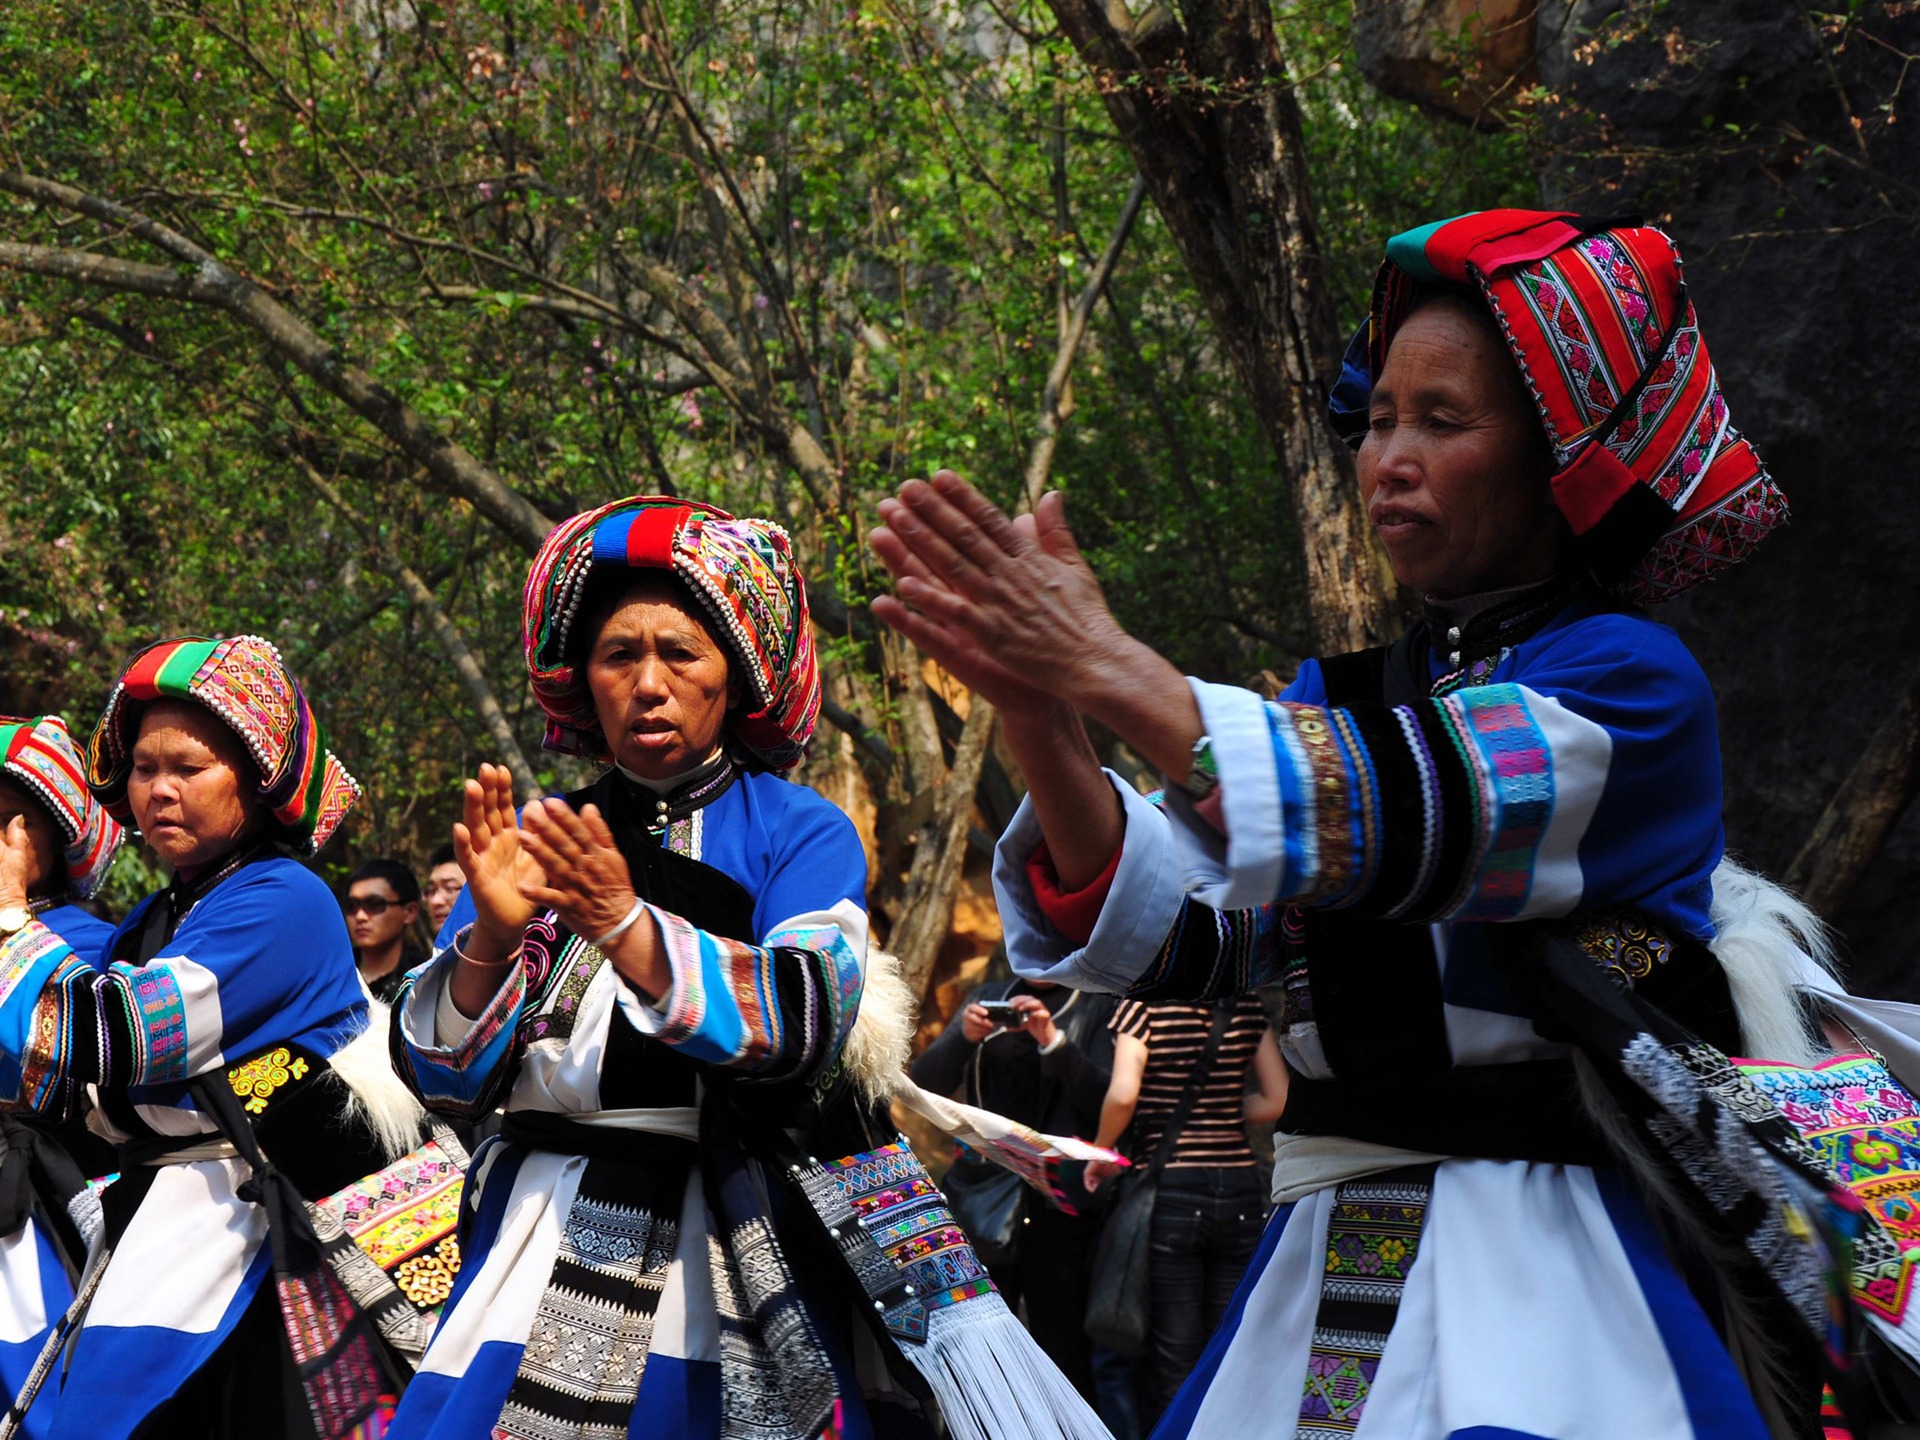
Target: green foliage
462,198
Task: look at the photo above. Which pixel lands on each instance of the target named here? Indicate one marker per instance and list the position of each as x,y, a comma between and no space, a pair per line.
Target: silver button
1454,658
661,805
1453,635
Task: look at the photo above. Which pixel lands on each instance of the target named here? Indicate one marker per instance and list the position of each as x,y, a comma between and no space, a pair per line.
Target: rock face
1782,155
1461,57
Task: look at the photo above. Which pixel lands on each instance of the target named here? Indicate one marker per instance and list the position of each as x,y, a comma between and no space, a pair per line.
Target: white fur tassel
881,1042
1772,947
993,1382
366,1067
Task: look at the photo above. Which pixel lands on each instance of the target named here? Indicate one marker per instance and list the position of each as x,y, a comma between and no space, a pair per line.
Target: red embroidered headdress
741,572
1659,489
39,755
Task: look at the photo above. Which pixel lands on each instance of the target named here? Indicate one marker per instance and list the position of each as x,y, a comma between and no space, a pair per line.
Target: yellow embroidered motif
1627,947
427,1279
258,1079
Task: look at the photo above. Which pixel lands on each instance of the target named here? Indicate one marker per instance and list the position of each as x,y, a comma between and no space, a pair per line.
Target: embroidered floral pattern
259,1079
1373,1239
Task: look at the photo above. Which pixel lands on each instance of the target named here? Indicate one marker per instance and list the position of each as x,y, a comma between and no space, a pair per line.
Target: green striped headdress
243,681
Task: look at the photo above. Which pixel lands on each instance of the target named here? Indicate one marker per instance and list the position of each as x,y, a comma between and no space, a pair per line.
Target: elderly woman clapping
1542,445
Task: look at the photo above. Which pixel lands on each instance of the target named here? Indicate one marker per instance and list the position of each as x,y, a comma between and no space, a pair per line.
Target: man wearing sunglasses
382,906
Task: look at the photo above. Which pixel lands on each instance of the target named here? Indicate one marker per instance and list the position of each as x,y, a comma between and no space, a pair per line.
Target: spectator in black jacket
1047,1066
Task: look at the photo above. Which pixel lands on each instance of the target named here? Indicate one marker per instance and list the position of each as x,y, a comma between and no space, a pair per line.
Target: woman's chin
664,758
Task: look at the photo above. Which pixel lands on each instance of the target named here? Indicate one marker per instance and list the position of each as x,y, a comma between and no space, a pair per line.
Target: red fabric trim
142,677
1490,239
1072,913
650,537
1591,486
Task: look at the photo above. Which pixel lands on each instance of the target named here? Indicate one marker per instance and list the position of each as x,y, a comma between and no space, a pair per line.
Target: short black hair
442,855
607,589
393,872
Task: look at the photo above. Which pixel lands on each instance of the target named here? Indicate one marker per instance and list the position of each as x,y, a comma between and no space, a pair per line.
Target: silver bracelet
624,926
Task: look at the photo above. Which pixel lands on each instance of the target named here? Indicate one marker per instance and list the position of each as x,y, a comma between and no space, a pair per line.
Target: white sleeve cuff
1242,868
1139,914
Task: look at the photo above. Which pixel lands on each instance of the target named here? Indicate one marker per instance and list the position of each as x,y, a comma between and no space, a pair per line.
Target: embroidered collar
664,801
50,902
1474,629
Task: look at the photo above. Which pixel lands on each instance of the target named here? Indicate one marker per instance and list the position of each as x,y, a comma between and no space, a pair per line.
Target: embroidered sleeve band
454,1071
63,1022
1470,806
779,1010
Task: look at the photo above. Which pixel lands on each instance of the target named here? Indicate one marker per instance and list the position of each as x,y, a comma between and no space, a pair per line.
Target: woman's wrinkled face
1454,470
193,789
46,862
660,682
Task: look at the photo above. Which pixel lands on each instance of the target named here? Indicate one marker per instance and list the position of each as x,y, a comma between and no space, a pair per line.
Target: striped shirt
1175,1035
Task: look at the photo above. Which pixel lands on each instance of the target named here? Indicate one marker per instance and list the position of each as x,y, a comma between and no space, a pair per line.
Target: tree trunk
1210,119
940,848
1856,822
939,855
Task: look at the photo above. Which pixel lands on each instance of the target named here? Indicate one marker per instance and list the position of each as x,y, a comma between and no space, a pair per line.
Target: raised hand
1011,603
585,881
1004,604
487,845
16,864
584,877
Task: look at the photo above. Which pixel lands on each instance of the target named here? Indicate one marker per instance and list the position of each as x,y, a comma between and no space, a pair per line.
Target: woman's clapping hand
585,880
486,843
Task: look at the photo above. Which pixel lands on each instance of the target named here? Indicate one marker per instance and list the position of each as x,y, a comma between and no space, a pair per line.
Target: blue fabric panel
274,938
1716,1397
119,1374
1177,1423
87,935
459,1407
678,1400
16,1361
1656,835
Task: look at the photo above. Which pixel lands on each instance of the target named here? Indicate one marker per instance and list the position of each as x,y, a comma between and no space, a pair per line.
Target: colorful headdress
243,681
40,755
1659,489
742,574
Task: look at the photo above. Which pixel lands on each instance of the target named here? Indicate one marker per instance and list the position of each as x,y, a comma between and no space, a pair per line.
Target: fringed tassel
993,1382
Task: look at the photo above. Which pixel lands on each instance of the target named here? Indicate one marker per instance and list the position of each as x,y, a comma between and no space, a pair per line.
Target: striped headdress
741,573
1658,487
244,682
39,755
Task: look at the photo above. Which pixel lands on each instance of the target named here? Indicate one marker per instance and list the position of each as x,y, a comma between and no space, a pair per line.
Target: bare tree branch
472,678
214,284
1040,462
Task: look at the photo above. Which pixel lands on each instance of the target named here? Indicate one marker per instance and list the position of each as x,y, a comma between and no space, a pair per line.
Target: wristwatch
14,918
1203,771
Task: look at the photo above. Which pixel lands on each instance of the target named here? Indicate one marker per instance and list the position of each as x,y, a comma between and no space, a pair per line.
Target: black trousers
1206,1226
1050,1274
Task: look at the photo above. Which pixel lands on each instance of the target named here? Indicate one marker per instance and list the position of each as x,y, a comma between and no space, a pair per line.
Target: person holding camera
1040,1054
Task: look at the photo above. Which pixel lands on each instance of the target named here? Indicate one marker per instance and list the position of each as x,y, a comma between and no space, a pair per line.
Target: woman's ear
736,688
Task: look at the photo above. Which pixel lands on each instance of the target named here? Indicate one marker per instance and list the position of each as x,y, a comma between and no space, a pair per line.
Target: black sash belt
1529,1110
543,1130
